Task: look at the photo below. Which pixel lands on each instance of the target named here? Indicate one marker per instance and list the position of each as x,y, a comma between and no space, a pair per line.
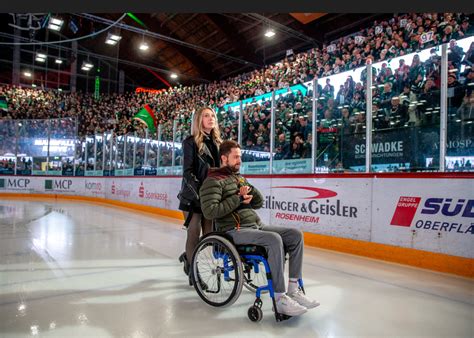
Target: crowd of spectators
402,95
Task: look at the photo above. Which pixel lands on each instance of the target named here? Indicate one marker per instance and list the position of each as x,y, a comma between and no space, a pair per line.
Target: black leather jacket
195,169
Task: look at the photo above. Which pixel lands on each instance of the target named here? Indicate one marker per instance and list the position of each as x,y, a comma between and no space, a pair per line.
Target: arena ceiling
199,47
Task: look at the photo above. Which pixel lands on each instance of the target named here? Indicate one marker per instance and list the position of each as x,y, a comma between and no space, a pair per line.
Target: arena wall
425,220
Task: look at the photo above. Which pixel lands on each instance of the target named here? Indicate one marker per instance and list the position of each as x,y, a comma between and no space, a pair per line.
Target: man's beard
233,168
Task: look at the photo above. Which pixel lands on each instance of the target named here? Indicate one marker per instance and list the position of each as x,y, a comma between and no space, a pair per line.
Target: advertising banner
63,185
157,195
387,148
156,192
121,189
336,207
20,184
95,187
425,214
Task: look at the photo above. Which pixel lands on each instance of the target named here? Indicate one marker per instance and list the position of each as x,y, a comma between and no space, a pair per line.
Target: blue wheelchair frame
255,260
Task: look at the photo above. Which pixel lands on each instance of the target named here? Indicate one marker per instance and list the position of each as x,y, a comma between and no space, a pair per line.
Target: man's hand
247,199
244,190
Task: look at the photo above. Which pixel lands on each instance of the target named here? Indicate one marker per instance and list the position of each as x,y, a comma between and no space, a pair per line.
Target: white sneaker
302,299
289,307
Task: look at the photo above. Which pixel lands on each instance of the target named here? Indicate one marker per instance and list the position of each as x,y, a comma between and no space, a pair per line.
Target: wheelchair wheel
253,280
255,313
217,271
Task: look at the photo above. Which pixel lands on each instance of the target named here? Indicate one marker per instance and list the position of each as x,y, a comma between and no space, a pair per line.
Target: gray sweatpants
276,241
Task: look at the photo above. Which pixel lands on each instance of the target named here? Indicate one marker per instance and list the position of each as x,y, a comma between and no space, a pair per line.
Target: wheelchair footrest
281,317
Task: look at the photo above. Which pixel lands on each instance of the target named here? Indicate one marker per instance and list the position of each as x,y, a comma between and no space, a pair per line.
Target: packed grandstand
406,96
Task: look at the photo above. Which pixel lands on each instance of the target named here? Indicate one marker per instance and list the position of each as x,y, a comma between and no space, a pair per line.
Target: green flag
147,116
3,103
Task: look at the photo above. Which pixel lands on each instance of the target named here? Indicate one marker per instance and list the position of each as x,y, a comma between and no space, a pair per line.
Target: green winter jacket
220,200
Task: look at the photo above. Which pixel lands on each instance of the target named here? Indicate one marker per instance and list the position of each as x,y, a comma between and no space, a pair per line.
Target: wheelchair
221,269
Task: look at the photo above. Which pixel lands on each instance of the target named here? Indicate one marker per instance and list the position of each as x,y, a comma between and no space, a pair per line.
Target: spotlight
27,74
40,56
56,21
55,24
144,46
174,76
86,66
59,61
269,33
112,39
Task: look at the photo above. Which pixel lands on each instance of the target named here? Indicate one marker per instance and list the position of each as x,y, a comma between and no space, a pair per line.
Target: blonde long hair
198,132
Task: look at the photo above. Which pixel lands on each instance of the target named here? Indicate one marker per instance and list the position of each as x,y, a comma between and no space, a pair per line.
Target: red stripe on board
468,175
359,175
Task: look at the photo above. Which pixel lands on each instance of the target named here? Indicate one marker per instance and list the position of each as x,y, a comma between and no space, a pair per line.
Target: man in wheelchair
229,199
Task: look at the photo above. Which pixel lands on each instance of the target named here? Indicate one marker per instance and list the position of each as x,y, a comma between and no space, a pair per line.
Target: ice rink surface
84,270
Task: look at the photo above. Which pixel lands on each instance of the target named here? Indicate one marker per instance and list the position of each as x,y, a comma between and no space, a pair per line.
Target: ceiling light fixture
112,39
86,66
143,45
270,33
55,24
